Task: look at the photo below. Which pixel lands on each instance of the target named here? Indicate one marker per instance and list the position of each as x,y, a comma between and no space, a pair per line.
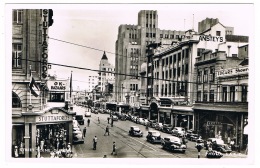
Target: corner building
36,119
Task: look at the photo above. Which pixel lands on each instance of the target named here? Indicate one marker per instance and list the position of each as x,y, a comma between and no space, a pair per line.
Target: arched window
16,102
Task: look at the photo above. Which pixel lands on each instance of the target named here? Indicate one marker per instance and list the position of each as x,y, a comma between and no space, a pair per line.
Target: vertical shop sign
45,44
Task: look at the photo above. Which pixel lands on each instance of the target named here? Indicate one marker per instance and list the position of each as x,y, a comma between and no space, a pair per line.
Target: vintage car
178,131
87,114
135,131
153,137
173,143
167,128
77,137
114,118
80,119
218,145
158,126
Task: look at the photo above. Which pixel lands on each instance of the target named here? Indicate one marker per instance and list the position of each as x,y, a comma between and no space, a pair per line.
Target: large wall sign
231,72
54,117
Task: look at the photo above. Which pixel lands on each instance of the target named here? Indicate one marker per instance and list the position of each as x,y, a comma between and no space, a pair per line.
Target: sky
82,32
90,29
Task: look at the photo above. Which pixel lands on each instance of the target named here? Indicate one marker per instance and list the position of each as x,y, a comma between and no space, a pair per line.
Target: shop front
38,133
225,125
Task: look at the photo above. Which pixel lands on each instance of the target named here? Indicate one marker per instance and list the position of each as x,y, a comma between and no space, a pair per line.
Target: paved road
128,147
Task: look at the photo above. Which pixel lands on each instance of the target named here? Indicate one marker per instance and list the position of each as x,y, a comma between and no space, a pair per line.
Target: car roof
173,138
153,132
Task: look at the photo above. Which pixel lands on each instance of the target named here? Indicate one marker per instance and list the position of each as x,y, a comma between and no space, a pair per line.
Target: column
33,141
175,120
26,139
171,117
69,131
188,120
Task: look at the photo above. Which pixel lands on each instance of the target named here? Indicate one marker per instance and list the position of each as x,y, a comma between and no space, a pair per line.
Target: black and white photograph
130,82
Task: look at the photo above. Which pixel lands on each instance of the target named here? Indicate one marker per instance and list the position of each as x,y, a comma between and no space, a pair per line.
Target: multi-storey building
92,81
38,106
221,101
106,76
179,73
131,46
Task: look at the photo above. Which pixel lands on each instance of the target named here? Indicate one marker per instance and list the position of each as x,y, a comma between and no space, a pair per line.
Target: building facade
106,78
131,48
36,116
182,76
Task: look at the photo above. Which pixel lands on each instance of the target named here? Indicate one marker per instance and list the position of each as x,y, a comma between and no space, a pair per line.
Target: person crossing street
88,122
107,131
95,143
84,132
114,149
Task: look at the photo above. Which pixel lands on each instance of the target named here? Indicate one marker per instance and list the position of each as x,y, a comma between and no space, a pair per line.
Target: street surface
127,146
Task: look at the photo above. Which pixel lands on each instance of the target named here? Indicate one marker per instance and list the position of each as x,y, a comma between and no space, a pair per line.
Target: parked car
146,122
87,114
153,137
167,128
140,121
152,123
158,126
95,111
77,136
135,131
173,143
80,119
193,137
114,118
218,145
178,131
211,140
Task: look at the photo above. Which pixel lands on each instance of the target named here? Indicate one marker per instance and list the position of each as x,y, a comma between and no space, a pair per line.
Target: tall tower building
131,47
106,73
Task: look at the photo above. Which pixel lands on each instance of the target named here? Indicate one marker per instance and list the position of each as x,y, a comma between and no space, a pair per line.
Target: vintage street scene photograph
129,81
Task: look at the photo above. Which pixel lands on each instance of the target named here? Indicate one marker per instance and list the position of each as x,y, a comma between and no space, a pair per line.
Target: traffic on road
138,138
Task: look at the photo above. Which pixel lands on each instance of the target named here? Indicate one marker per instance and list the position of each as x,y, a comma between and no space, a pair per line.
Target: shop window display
52,139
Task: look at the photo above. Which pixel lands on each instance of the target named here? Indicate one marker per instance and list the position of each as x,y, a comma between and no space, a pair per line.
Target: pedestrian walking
114,149
112,122
108,120
98,120
88,122
95,143
107,131
84,132
232,144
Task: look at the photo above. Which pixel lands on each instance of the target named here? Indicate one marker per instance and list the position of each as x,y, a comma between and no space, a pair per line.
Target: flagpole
29,85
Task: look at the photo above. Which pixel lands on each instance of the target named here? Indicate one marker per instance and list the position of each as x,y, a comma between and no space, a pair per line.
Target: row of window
151,16
175,88
226,96
171,36
133,87
132,36
205,77
173,58
173,72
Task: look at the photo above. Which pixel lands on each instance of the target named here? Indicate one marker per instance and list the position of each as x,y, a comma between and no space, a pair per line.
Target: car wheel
183,151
